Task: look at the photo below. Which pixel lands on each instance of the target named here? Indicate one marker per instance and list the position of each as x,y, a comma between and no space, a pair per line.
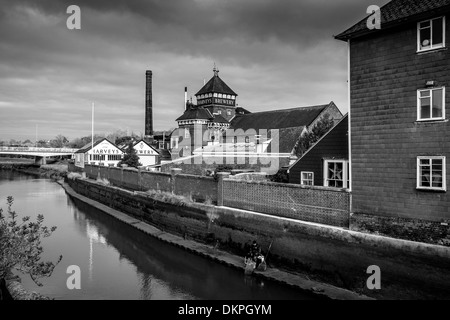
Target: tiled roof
216,85
219,119
196,113
397,12
88,146
278,119
164,154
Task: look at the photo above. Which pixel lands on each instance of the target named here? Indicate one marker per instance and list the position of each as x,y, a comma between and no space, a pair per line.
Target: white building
148,155
103,153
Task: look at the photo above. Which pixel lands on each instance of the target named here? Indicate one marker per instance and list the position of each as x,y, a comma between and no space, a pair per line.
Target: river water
119,262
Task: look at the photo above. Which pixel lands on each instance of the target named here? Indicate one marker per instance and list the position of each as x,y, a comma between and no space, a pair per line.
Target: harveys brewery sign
104,153
147,154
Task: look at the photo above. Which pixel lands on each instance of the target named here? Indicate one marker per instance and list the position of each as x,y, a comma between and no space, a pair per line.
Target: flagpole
92,139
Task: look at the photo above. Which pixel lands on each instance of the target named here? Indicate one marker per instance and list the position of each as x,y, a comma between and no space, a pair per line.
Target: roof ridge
291,109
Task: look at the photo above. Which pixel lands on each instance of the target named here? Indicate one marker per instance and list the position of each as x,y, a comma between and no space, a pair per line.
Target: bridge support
40,160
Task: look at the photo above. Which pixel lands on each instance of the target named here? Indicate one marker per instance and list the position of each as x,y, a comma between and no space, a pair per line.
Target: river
119,262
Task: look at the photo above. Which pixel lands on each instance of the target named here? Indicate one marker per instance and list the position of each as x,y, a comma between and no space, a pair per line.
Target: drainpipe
349,127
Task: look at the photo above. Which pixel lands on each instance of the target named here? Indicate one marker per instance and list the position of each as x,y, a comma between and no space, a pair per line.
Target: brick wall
411,229
335,256
155,181
199,189
386,73
71,167
314,204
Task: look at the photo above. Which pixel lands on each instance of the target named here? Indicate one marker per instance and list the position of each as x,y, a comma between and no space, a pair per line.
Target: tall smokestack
185,98
148,104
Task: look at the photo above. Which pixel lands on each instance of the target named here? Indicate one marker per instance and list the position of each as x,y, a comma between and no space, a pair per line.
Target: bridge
40,154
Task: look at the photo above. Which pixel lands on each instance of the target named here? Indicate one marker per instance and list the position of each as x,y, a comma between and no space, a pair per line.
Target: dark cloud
274,53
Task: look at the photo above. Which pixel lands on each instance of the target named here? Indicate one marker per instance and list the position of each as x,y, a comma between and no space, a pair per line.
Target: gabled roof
164,154
149,145
196,113
219,119
216,85
397,12
278,119
317,144
88,146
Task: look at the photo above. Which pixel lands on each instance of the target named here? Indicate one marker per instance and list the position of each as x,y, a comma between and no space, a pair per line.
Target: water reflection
119,262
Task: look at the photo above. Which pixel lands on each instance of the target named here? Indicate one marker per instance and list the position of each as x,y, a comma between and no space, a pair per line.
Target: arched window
247,139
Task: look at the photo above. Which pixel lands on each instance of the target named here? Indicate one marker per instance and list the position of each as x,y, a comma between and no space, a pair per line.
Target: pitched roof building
398,121
203,128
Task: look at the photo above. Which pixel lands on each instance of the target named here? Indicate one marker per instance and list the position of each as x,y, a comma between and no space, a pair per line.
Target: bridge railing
34,149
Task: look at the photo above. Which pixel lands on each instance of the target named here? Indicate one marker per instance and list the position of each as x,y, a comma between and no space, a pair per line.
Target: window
115,157
186,133
307,178
430,104
336,174
98,157
431,173
431,34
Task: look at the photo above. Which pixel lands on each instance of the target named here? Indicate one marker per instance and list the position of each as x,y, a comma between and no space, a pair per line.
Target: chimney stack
148,104
185,98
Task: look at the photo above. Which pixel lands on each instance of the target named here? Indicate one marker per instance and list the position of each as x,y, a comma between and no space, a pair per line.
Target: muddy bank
53,171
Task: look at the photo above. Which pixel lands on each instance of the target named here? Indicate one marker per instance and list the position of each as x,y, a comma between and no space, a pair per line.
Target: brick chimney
148,104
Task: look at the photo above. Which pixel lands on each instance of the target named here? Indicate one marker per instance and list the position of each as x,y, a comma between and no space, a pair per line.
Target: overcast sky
274,54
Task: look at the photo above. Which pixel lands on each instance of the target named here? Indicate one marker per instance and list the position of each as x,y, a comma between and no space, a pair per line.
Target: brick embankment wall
403,228
196,188
329,254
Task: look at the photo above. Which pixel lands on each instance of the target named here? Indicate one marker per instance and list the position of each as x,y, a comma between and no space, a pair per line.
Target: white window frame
186,134
302,181
431,35
345,169
444,173
431,104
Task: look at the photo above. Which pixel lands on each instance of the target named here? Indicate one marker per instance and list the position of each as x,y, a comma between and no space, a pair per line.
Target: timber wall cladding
386,72
321,205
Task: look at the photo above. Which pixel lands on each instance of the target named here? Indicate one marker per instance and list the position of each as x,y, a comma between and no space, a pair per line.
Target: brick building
206,120
216,128
399,128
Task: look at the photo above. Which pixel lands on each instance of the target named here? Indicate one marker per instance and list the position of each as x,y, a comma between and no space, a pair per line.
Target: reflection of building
104,153
399,125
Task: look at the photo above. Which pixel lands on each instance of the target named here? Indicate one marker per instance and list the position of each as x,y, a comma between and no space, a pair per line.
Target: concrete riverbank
324,254
321,290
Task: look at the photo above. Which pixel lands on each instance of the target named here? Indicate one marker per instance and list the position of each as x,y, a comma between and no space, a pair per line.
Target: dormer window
431,34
